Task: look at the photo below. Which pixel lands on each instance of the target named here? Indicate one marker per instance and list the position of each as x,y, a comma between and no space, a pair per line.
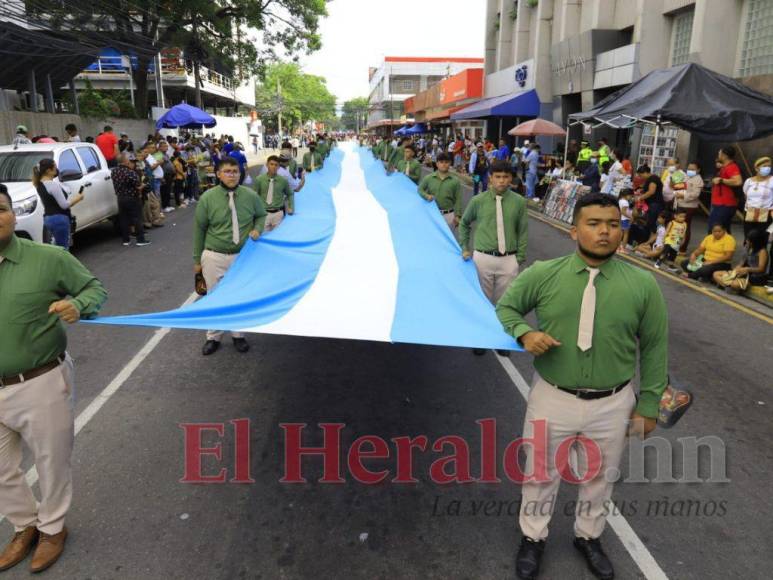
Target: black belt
275,210
497,253
31,374
589,394
446,211
219,252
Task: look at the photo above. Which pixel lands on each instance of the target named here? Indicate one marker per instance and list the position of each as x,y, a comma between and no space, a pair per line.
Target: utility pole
279,103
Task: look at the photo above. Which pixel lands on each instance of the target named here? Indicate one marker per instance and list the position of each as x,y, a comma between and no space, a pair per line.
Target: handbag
199,284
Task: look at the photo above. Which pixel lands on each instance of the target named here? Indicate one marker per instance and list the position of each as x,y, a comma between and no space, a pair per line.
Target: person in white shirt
21,136
72,134
614,175
758,190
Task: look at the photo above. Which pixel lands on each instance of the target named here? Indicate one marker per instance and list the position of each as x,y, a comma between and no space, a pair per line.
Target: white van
80,164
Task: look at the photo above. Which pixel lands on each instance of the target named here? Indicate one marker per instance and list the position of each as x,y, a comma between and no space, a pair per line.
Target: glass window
682,35
90,159
757,49
68,162
18,166
408,85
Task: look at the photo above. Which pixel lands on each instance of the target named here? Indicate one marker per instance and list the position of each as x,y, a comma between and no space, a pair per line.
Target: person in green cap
275,191
408,165
445,189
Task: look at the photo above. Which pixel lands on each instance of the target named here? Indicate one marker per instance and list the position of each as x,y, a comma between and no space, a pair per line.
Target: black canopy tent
690,96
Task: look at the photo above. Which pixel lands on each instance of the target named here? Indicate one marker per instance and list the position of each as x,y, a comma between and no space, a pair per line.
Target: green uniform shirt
282,191
414,169
212,224
483,210
629,308
292,167
385,151
307,161
447,192
323,149
32,277
396,155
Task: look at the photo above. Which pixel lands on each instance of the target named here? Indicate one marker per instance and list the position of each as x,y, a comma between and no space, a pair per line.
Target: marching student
408,165
445,189
275,192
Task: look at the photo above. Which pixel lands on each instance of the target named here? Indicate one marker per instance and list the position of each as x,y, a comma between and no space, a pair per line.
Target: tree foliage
354,113
302,97
235,37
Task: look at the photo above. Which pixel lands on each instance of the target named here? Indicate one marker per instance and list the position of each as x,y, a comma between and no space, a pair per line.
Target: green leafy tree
298,97
355,113
239,36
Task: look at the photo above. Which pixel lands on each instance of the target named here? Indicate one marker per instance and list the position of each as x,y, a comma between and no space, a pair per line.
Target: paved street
132,518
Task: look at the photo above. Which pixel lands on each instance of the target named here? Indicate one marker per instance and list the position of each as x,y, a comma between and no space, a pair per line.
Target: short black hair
4,191
272,158
500,166
227,160
411,147
107,128
444,157
70,127
644,169
729,152
591,199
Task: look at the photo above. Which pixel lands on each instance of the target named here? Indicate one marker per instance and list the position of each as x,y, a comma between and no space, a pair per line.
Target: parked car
80,164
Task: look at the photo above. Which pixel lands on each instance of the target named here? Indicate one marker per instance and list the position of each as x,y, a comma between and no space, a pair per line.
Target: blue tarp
417,129
185,116
523,104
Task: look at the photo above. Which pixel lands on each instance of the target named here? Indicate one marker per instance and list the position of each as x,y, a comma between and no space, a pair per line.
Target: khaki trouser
449,217
151,211
40,412
213,267
605,421
495,273
273,219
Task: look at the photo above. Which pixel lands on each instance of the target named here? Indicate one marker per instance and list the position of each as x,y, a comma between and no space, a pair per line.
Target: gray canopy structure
690,96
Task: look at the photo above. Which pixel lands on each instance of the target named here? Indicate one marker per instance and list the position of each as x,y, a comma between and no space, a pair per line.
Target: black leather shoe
478,351
209,347
528,559
597,560
241,345
505,353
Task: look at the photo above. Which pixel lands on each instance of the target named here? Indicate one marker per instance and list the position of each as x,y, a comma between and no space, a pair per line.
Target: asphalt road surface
133,518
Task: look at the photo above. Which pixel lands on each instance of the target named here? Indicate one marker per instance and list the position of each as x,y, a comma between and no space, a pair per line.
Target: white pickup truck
80,164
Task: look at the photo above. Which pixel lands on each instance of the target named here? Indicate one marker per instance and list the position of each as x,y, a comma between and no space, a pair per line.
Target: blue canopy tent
186,117
402,130
417,129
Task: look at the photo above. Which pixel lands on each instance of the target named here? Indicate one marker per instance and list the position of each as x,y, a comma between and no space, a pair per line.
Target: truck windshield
17,166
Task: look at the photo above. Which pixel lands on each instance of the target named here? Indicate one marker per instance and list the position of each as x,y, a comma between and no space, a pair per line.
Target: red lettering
242,451
194,451
592,455
459,460
379,450
405,447
538,455
330,451
488,451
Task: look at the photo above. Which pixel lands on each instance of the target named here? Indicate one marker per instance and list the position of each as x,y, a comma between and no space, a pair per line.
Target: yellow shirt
716,248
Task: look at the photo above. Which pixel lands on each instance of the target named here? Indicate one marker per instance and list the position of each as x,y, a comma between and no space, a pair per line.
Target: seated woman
751,270
713,255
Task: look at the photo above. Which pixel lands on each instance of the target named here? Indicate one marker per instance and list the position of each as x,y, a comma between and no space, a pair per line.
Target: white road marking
104,396
635,547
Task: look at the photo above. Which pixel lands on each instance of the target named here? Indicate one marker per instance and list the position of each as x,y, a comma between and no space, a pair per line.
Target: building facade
581,51
398,78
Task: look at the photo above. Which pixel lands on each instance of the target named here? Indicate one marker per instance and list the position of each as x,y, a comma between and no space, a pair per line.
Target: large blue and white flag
364,257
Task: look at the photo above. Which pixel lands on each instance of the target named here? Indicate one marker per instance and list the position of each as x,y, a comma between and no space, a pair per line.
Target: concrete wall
53,125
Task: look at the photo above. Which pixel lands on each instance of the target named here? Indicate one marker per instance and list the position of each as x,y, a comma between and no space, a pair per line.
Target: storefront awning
444,114
523,104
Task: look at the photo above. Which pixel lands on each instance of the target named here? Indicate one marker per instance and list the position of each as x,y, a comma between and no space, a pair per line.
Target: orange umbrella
537,127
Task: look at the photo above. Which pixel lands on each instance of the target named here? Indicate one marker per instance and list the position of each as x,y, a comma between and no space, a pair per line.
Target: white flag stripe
355,292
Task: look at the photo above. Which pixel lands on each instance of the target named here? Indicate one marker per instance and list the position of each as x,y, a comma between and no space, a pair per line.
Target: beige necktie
587,312
501,244
386,152
312,161
234,219
270,194
407,169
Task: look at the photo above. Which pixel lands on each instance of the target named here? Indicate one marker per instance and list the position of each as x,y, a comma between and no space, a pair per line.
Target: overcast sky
360,33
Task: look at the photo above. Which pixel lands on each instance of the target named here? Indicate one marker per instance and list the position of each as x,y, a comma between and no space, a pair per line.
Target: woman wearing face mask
56,199
759,197
689,198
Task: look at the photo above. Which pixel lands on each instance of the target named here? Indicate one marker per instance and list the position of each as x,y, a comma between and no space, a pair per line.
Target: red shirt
106,143
723,194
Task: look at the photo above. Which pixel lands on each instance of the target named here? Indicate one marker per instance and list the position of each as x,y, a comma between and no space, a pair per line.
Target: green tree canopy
355,113
298,96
